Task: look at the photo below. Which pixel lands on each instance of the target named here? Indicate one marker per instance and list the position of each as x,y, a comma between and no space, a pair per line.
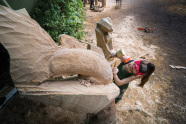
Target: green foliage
60,17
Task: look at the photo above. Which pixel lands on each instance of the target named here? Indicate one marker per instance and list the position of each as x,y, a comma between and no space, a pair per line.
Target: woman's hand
115,70
113,53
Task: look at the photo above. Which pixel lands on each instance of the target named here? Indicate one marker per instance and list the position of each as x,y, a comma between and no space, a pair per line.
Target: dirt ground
163,99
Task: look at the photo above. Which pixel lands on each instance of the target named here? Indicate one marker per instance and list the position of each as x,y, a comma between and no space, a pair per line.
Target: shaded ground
163,99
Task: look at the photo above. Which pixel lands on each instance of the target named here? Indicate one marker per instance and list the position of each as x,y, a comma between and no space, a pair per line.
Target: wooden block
71,95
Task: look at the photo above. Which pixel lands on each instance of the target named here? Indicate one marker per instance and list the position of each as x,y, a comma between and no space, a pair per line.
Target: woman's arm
125,80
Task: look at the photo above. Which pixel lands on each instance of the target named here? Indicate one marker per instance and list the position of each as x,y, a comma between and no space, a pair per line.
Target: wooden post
103,3
96,2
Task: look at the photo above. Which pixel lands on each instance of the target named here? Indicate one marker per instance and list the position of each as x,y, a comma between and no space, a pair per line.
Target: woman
129,70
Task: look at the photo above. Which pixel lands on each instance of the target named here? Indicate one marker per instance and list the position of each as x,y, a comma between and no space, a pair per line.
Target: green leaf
61,17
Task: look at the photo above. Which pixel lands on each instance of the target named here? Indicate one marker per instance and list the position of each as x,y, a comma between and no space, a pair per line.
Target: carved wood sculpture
35,58
104,36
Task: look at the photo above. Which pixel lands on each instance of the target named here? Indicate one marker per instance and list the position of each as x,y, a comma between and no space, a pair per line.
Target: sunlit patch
178,9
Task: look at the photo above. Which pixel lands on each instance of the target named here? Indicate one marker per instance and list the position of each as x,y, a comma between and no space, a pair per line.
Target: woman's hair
147,68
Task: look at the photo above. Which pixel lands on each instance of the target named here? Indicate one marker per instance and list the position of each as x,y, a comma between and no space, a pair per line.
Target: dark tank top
121,75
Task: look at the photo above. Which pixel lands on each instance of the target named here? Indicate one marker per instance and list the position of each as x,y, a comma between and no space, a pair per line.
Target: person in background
84,2
118,3
91,4
129,70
